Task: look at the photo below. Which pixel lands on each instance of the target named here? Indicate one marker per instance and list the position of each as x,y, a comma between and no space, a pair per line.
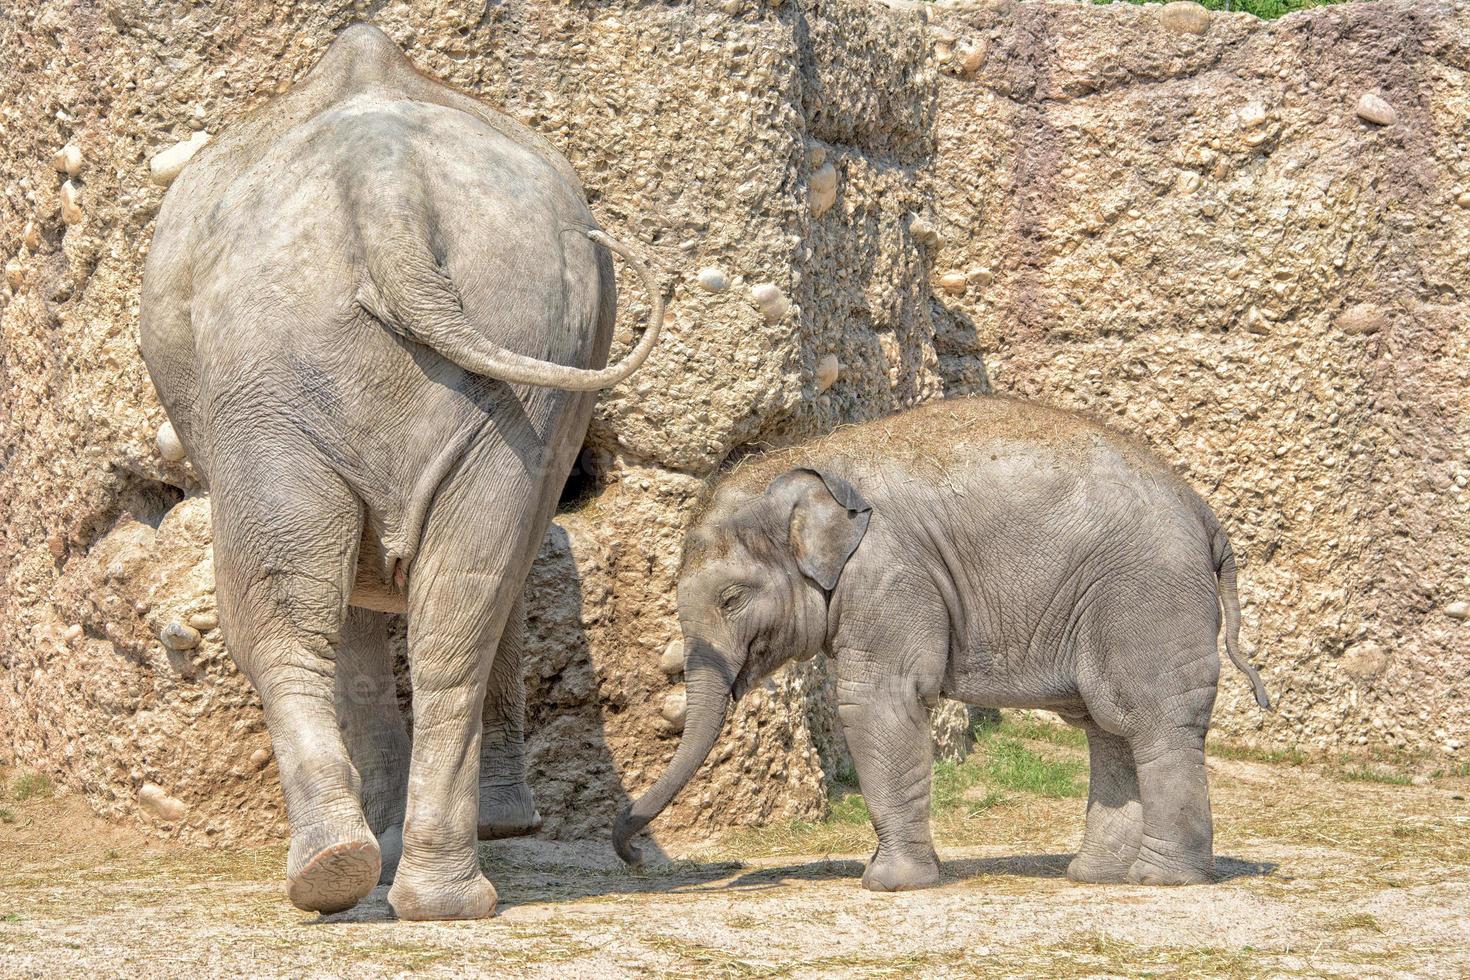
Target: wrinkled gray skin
364,309
1026,558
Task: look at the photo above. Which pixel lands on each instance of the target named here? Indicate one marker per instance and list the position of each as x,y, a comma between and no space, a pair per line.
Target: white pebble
152,797
672,660
178,637
980,276
674,708
1252,114
954,283
166,164
1372,108
1184,17
170,447
1459,609
204,621
713,279
822,189
68,160
71,203
829,368
772,302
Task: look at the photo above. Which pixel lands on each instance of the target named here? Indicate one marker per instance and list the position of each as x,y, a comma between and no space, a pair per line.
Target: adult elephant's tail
1230,603
411,293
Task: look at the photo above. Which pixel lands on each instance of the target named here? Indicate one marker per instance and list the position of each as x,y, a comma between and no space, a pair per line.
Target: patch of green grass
31,785
1264,9
7,816
848,808
1374,774
10,917
1034,729
1008,764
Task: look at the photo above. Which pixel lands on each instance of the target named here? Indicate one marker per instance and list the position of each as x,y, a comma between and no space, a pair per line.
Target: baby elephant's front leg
887,729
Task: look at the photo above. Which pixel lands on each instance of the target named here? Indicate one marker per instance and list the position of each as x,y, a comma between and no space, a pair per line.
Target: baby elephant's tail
1230,602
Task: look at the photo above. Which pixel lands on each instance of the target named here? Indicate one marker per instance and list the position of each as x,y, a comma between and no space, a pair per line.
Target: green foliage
1264,9
7,816
30,785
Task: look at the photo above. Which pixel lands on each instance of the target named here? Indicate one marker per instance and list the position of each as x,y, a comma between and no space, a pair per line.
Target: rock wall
1177,221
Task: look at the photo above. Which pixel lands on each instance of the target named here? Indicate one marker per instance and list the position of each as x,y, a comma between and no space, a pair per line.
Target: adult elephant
375,312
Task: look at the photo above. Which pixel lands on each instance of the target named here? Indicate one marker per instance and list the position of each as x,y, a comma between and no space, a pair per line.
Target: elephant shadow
965,869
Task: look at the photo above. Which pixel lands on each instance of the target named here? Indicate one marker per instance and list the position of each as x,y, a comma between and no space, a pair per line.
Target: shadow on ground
526,881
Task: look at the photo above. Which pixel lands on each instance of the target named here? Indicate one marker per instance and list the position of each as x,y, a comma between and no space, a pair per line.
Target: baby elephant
987,550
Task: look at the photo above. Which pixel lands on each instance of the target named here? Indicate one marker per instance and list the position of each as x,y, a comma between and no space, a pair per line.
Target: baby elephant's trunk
709,684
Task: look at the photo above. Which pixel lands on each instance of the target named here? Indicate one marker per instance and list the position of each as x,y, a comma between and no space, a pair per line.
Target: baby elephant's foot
507,811
900,872
1148,870
1096,869
331,873
419,900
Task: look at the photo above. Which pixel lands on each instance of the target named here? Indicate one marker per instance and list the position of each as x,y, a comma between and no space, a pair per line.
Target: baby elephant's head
753,588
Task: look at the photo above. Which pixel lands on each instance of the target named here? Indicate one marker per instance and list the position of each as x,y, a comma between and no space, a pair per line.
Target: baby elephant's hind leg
1114,814
1177,847
506,806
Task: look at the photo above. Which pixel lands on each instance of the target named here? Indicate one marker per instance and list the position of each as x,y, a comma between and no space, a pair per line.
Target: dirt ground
1328,870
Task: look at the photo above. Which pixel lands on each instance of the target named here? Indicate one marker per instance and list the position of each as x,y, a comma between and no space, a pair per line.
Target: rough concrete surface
1199,235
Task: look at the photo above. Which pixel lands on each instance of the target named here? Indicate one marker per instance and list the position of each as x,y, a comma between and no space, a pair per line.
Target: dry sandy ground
1323,877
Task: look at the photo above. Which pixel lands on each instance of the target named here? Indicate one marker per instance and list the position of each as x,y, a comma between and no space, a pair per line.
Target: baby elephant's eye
732,599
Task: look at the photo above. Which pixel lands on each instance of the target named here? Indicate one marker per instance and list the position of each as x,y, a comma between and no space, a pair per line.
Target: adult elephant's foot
1095,869
1153,869
329,872
419,900
900,872
507,811
390,843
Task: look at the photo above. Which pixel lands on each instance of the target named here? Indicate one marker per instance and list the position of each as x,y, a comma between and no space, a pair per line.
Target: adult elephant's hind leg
284,553
372,726
507,808
461,587
1114,814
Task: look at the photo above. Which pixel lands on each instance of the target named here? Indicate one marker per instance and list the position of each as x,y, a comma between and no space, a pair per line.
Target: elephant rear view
377,313
991,551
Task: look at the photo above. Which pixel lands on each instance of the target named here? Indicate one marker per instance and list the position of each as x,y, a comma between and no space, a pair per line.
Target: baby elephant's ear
828,520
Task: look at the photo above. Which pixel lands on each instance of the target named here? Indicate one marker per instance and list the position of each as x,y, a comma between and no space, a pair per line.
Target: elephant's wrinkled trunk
709,679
